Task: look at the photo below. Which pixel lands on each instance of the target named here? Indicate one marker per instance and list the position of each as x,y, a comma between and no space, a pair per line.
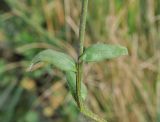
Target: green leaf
58,59
71,80
100,52
90,114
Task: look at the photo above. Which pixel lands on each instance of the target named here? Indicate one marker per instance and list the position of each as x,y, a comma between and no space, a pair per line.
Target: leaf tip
29,69
124,51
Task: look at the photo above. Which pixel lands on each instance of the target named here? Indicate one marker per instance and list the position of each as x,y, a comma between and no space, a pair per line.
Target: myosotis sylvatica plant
74,69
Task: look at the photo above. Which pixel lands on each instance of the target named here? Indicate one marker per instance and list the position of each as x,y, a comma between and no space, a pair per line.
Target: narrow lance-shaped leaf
58,59
90,114
100,52
71,80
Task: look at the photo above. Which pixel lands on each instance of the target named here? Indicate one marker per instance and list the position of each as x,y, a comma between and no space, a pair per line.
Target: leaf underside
100,52
91,115
58,59
71,80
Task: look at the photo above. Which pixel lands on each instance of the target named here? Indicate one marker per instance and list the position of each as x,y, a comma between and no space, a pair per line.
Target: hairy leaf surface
71,80
100,52
58,59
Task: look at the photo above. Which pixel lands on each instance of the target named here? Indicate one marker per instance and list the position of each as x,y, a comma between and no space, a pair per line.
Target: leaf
71,80
100,52
90,114
58,59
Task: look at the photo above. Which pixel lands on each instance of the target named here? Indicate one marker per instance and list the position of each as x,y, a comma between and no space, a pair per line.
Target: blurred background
126,89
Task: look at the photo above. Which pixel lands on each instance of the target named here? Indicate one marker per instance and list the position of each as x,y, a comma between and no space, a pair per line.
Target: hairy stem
81,41
79,76
83,25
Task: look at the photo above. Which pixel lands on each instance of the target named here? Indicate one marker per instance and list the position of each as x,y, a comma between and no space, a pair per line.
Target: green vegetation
125,89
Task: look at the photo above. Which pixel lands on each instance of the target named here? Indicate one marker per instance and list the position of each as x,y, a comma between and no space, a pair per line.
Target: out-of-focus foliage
123,90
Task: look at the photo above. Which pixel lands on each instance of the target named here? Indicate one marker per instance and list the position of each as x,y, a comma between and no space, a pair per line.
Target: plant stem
83,24
158,94
81,41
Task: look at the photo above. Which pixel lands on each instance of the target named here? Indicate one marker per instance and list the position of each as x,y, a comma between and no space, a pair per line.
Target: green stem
83,24
81,40
79,75
158,94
